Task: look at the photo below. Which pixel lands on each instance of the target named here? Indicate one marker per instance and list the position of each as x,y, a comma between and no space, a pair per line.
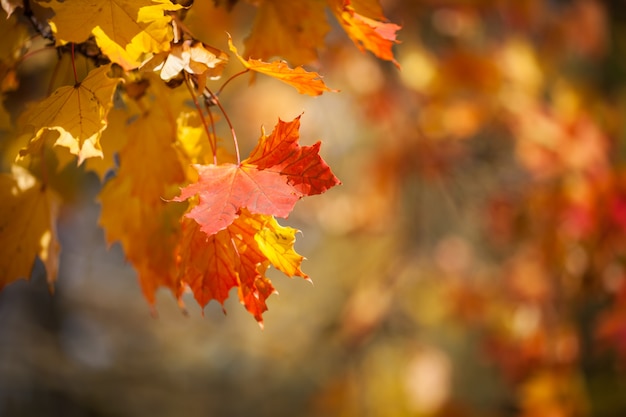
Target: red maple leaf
276,175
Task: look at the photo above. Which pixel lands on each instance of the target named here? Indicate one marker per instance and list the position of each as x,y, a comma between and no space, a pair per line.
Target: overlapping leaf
305,82
74,116
28,214
278,173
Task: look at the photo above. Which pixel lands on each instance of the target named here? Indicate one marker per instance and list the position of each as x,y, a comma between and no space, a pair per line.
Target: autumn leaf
376,36
293,31
224,189
76,115
276,243
305,82
302,165
278,173
28,215
124,29
237,256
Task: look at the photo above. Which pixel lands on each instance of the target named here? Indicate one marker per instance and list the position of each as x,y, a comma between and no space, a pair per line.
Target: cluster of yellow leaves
125,30
122,118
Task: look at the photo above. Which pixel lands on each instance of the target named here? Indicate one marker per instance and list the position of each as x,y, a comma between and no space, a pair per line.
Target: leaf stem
208,110
29,54
216,100
212,142
74,65
232,77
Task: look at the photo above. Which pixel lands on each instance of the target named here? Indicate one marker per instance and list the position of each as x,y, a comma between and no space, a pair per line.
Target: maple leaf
278,173
293,31
276,243
28,214
376,36
124,29
237,256
280,153
305,82
75,114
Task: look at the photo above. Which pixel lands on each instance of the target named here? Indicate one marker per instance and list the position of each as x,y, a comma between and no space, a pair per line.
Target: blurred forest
472,263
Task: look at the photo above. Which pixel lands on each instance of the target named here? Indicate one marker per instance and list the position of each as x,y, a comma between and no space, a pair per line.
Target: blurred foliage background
471,264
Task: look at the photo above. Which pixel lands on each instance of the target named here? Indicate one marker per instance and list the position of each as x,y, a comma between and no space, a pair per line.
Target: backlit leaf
75,114
278,173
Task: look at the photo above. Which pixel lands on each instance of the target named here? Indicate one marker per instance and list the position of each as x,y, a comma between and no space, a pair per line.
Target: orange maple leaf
305,82
278,173
237,256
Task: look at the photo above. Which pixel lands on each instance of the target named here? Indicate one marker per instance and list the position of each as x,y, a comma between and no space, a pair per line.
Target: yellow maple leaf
276,242
291,30
305,82
124,29
73,116
28,214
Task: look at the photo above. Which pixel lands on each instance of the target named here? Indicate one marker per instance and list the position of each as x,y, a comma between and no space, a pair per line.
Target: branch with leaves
187,214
